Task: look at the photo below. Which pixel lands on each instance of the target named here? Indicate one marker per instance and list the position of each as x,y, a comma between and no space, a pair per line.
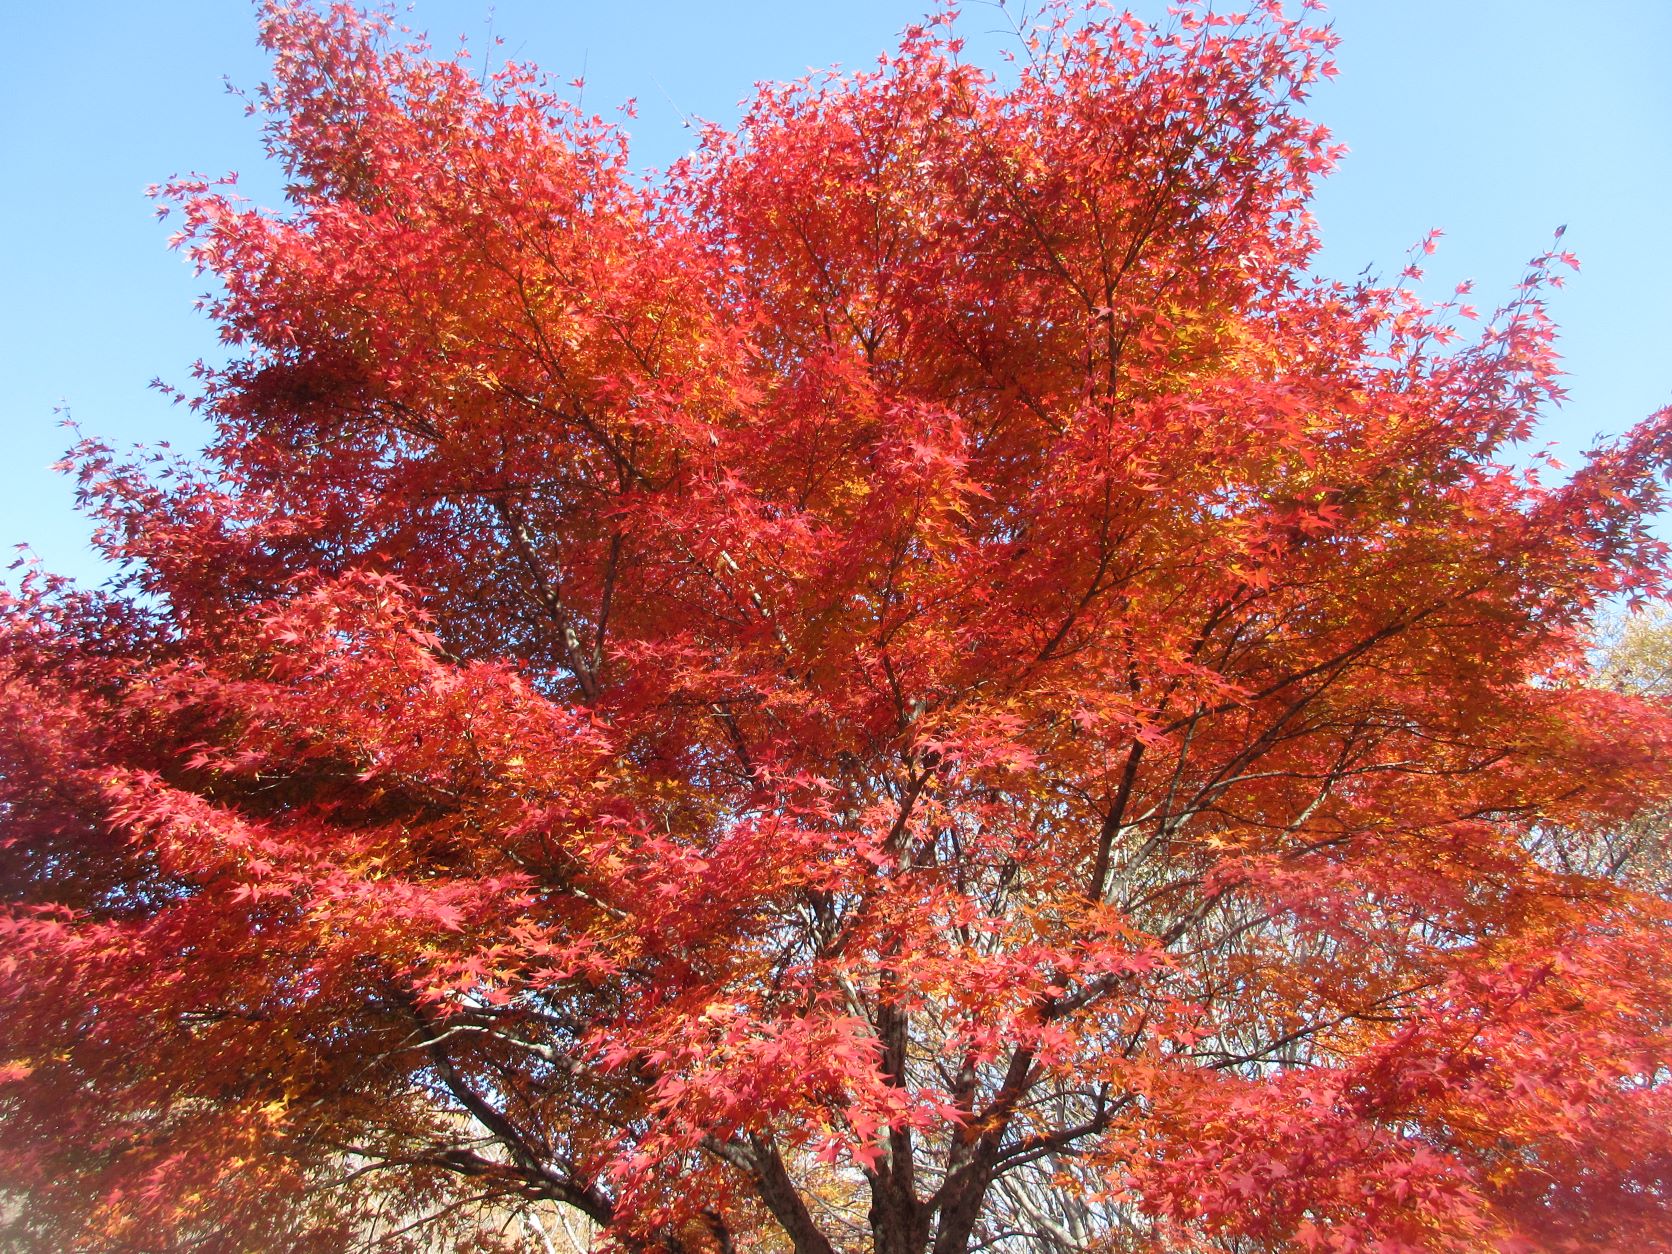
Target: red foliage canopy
913,683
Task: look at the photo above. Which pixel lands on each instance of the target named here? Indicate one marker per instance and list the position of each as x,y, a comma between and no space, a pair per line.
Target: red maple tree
914,683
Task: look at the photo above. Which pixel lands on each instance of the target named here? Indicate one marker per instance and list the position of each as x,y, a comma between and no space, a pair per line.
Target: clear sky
1493,120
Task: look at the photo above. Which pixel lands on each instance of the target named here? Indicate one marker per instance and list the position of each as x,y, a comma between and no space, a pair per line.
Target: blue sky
1493,120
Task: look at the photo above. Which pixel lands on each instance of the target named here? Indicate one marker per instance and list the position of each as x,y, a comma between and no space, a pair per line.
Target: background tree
916,683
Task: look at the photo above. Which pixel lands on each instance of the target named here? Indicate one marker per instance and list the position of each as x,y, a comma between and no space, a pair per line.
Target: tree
1635,657
916,683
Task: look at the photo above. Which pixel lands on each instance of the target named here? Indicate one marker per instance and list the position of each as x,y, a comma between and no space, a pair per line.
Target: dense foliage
913,683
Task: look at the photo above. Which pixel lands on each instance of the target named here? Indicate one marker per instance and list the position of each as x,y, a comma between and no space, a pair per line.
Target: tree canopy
916,682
